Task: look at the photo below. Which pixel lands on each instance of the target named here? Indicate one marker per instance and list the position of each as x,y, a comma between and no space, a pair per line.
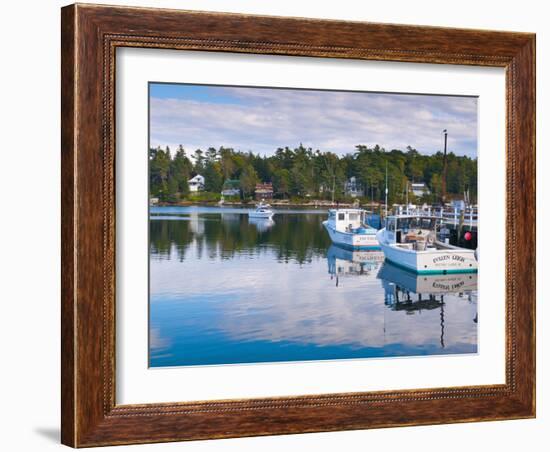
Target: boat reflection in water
228,289
261,224
413,292
402,286
343,262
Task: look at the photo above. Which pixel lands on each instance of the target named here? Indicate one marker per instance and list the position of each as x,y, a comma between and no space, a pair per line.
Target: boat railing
454,216
451,216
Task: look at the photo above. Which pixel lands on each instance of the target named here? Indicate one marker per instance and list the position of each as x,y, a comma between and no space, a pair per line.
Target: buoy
468,236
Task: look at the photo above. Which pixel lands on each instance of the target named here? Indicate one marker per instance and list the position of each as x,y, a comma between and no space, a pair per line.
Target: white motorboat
348,228
410,241
262,210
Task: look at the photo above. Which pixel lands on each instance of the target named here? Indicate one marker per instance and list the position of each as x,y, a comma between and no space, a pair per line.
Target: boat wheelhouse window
391,225
421,223
415,223
427,223
341,216
353,216
331,213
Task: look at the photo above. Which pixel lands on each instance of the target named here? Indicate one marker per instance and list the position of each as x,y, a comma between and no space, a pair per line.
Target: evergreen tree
281,182
213,177
180,170
199,158
248,180
159,168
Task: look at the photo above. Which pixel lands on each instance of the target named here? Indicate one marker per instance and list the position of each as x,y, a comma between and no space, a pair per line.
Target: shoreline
274,203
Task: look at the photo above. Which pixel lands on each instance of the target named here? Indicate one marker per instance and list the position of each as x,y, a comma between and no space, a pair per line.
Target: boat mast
386,200
444,179
407,196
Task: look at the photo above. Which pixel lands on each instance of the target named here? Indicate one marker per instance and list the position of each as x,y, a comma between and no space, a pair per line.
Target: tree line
302,173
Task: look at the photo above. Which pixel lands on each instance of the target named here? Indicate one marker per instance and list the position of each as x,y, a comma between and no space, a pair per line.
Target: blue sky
262,119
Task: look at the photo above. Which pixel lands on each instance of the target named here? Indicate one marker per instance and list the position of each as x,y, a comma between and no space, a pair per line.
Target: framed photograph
281,225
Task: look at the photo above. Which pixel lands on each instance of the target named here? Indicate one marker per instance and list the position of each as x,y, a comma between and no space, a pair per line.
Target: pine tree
248,180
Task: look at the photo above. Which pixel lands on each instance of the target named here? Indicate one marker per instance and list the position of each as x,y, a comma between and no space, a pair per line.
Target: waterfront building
458,204
353,188
263,191
231,187
420,189
196,183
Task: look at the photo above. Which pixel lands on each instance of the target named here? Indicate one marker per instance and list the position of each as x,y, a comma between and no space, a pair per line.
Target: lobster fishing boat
410,242
348,228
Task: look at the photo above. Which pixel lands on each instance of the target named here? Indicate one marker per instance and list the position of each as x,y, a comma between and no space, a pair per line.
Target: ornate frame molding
90,37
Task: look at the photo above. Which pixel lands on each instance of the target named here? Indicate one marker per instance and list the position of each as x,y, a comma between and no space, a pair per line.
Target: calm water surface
228,289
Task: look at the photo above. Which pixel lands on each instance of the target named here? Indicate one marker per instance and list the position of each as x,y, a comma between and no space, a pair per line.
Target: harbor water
228,289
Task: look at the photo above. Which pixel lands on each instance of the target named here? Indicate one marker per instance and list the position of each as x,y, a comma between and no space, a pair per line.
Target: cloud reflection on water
208,308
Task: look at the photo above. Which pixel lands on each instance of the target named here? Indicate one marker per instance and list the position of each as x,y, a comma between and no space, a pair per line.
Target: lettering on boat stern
437,259
448,287
448,257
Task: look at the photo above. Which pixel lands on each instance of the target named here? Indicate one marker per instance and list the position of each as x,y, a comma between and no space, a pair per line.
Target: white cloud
263,119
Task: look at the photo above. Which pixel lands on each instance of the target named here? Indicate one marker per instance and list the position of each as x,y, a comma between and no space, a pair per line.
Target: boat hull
352,241
434,261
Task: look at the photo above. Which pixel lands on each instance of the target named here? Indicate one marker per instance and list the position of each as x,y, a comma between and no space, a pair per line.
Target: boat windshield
416,223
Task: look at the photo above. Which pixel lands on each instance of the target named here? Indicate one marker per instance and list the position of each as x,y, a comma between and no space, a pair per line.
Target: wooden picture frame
90,36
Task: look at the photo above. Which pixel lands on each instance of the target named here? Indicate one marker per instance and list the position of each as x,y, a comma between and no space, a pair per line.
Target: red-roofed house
263,191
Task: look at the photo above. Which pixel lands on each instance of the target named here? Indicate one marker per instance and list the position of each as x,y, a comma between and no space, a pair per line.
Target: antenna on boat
407,196
386,201
444,179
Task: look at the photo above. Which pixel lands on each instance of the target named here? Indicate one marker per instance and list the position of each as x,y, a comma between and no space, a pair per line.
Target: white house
353,188
196,183
458,204
420,189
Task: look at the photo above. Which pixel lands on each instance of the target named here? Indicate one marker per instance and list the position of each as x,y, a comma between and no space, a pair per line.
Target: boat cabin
348,220
406,229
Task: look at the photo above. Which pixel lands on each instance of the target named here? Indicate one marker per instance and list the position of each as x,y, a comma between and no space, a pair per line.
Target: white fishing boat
262,210
410,241
348,228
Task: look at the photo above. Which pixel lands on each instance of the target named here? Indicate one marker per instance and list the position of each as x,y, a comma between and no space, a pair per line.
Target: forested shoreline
302,173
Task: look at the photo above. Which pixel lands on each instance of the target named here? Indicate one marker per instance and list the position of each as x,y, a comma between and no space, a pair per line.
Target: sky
263,119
